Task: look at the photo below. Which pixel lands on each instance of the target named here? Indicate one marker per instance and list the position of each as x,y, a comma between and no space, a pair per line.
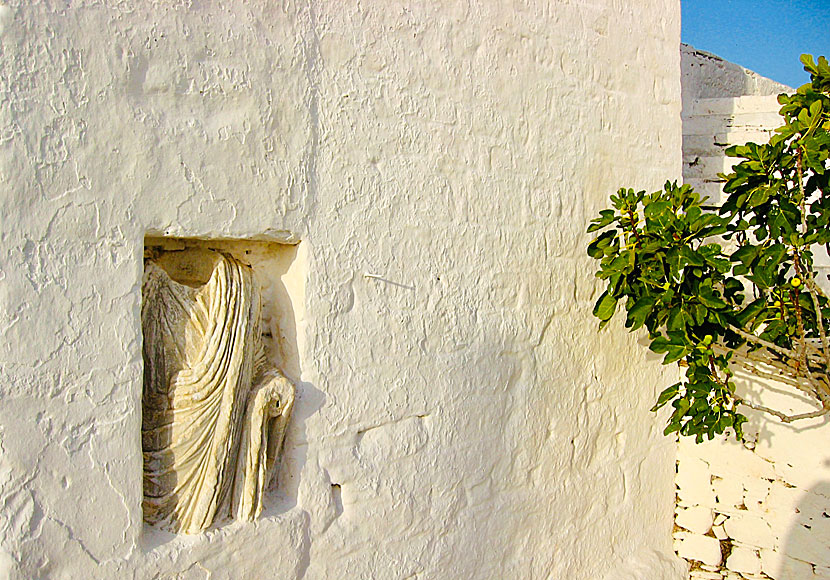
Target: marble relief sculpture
214,410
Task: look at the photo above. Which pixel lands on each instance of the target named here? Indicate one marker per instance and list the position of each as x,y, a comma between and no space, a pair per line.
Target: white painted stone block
731,106
694,483
736,460
751,530
695,519
703,549
755,492
770,561
705,575
744,560
719,532
729,492
702,167
794,456
807,542
780,509
780,567
792,569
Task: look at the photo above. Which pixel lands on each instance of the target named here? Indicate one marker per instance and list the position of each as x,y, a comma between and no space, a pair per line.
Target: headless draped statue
214,411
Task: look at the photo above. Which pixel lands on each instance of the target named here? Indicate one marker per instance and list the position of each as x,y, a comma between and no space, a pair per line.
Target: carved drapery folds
214,410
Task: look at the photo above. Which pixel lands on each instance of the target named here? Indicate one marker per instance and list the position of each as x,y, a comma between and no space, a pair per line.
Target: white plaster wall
458,418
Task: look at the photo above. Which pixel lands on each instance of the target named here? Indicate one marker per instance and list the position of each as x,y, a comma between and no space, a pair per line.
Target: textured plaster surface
457,415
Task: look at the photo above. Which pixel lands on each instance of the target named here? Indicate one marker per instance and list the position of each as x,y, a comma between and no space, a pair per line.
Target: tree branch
809,279
802,355
761,342
784,417
784,374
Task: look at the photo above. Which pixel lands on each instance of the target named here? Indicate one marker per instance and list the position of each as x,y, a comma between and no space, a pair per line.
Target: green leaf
654,209
596,249
659,345
671,427
681,406
605,306
691,257
709,299
699,312
733,289
677,338
605,219
676,321
752,310
674,354
774,254
746,254
809,65
675,263
668,394
639,311
738,426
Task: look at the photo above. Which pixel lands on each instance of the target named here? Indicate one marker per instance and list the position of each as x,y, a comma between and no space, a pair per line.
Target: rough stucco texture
461,418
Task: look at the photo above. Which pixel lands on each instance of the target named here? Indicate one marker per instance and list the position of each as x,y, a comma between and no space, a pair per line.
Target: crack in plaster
362,431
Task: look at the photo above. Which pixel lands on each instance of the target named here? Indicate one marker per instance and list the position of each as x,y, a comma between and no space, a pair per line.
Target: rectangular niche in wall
219,321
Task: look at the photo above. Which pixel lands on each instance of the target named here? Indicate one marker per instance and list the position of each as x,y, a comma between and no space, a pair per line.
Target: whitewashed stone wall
707,76
456,417
711,125
759,509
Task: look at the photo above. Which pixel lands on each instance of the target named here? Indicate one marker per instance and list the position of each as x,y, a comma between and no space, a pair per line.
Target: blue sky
767,36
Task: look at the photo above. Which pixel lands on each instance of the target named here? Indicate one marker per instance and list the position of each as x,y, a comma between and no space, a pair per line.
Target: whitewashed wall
758,509
708,76
712,125
459,418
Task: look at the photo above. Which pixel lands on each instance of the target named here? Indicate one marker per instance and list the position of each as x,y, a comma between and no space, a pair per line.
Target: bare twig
783,416
761,342
784,374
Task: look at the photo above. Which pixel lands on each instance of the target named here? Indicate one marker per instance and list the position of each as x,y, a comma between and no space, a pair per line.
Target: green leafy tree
729,287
